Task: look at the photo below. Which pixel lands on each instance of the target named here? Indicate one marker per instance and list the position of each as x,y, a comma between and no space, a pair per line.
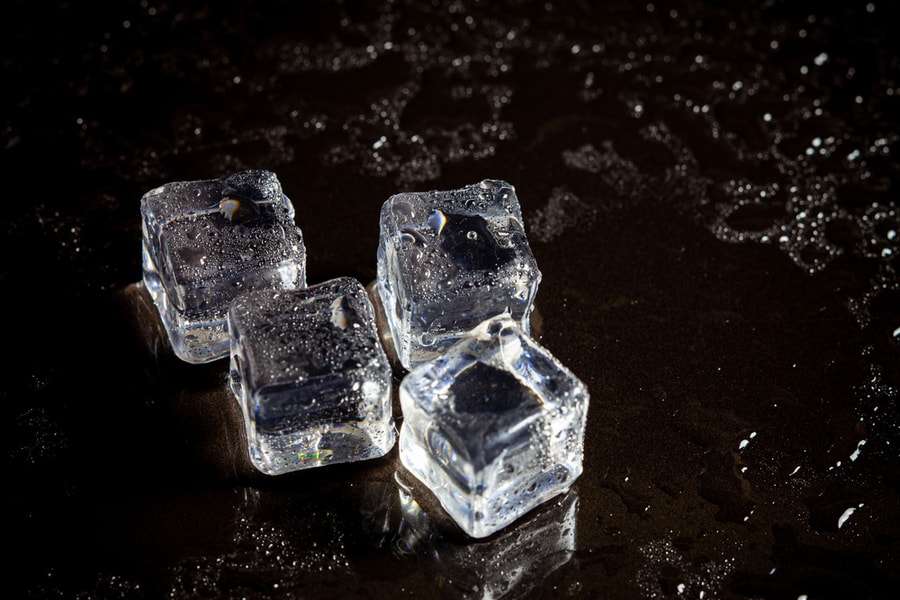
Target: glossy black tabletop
709,189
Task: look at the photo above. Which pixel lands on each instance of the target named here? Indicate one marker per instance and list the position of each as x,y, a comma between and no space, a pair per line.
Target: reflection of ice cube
448,260
511,565
312,379
281,542
494,427
205,242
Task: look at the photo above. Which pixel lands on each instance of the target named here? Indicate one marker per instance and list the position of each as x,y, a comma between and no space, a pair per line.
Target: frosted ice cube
205,242
312,379
493,427
447,260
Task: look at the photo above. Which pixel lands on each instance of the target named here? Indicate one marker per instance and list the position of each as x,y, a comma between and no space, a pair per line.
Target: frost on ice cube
312,379
205,242
447,260
493,427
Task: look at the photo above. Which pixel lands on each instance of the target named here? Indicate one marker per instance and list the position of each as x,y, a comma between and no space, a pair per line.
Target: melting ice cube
312,379
494,427
447,260
205,242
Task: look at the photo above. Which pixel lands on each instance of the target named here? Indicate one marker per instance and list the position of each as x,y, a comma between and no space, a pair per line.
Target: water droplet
437,220
846,515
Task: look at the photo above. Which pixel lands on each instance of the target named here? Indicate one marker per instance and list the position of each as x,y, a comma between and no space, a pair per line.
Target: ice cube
205,242
447,260
493,427
310,375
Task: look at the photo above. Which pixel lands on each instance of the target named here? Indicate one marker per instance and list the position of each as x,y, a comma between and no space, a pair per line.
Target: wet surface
709,190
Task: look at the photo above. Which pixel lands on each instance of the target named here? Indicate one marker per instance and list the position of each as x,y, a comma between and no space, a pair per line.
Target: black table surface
709,189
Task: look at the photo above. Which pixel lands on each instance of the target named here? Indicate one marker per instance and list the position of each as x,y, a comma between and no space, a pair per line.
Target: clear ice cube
447,260
310,375
205,242
493,427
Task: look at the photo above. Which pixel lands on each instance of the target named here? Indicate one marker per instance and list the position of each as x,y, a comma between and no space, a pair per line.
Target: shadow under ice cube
205,242
494,427
311,377
447,260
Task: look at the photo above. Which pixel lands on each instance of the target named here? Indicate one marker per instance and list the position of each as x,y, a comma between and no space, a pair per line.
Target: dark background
710,190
